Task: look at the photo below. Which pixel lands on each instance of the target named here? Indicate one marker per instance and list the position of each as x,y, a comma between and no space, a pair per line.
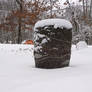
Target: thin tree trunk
83,8
19,32
90,9
51,3
20,21
86,7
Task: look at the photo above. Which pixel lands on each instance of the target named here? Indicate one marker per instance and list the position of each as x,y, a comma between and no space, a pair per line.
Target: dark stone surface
55,52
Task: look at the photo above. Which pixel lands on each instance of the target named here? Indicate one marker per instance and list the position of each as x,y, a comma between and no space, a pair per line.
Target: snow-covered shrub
83,35
81,45
52,42
76,39
88,37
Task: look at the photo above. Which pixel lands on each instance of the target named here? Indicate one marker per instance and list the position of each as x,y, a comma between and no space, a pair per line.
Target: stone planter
52,43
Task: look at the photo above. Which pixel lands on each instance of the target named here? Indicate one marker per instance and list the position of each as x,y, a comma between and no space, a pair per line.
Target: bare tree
90,13
20,3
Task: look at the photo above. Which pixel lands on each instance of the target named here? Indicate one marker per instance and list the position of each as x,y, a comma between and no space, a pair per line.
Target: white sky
76,2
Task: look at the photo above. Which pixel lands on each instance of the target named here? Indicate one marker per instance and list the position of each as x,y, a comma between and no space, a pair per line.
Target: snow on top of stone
62,23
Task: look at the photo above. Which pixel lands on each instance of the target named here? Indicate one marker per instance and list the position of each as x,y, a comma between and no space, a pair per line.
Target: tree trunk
20,3
90,15
86,7
83,8
19,32
51,3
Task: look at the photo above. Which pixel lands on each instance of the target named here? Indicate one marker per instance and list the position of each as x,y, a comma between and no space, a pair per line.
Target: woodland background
18,17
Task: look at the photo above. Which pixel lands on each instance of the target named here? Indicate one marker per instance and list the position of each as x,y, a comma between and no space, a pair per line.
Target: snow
40,35
62,23
81,45
44,41
16,49
38,48
23,42
18,74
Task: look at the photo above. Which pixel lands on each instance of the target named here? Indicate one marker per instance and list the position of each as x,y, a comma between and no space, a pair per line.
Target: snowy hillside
18,74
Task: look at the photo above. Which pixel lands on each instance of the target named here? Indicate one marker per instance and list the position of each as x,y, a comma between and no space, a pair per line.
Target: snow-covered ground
18,74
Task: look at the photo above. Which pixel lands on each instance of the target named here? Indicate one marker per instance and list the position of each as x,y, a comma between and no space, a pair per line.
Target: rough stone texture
52,47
